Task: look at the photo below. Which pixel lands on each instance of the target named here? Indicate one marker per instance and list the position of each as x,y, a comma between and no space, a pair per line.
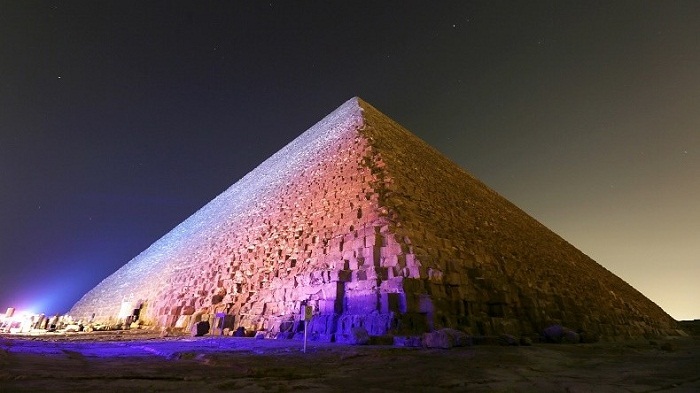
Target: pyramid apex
357,102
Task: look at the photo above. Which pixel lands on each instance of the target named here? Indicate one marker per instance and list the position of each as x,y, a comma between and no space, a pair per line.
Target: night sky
119,120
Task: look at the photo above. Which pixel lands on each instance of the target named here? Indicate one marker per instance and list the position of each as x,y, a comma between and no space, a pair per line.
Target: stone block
183,322
358,336
323,324
445,339
421,303
326,306
361,303
393,302
560,334
200,328
408,341
410,323
343,275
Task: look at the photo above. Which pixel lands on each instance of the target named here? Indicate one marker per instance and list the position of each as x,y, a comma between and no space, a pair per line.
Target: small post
308,313
220,319
306,325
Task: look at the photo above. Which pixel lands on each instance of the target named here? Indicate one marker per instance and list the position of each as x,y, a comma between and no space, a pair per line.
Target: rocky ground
144,362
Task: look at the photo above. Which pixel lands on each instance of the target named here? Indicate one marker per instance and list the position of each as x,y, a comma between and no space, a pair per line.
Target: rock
358,336
560,334
314,336
525,341
284,336
260,335
446,338
188,310
407,341
571,337
240,332
553,334
507,339
200,328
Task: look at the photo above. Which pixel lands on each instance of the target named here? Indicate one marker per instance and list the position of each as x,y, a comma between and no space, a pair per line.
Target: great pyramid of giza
372,227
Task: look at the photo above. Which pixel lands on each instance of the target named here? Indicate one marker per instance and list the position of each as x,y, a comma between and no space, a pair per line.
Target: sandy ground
142,362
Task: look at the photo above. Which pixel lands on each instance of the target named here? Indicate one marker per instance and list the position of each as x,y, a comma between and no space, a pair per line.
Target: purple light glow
165,348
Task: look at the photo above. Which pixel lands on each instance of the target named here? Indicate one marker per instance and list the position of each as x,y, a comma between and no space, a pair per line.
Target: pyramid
372,227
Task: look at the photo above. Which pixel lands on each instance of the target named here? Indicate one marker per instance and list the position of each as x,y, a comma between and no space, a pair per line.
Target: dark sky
120,119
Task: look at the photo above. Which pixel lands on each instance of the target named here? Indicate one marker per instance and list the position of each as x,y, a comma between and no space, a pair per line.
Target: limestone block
200,328
408,341
454,278
393,303
434,275
361,286
352,264
390,261
419,303
323,324
380,324
326,306
446,338
395,284
411,323
361,303
358,336
183,322
392,248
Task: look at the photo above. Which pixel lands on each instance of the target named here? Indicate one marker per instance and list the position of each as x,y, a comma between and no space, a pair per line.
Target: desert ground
136,361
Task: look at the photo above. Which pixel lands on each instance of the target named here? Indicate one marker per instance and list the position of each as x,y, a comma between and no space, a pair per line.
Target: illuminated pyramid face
367,223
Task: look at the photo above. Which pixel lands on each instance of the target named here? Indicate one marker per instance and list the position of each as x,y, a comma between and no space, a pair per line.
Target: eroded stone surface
372,227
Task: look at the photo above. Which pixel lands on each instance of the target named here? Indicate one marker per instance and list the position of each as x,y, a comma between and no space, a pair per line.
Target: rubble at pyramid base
372,228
